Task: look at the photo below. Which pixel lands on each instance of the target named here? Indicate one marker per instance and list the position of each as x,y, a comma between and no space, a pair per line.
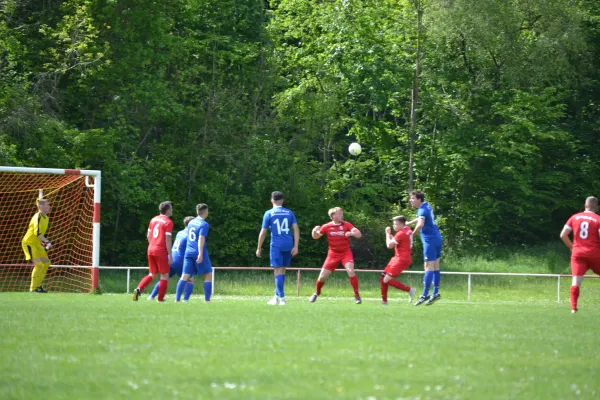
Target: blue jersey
279,221
178,249
430,230
196,228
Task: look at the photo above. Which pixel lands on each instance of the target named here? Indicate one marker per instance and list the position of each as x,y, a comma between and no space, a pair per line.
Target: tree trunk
415,99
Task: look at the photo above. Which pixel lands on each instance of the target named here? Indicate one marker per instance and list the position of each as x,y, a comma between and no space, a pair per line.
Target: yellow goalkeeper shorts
33,250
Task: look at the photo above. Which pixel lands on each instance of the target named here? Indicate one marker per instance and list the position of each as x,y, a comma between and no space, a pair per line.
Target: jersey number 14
282,226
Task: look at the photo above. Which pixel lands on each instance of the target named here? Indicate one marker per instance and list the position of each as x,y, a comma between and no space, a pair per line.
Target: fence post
469,287
298,284
559,288
212,278
128,278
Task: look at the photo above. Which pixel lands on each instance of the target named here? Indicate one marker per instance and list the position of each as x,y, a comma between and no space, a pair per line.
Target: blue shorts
280,258
176,267
432,249
190,266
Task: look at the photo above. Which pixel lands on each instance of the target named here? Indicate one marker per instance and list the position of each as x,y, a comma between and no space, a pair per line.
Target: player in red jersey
159,251
338,234
401,242
585,249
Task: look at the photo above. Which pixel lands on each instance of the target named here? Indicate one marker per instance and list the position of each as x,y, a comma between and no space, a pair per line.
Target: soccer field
59,346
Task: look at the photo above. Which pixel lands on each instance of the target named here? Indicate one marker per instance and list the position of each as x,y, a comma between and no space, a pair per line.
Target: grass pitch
108,347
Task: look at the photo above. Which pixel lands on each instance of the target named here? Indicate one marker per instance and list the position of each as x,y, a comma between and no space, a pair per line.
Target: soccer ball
354,149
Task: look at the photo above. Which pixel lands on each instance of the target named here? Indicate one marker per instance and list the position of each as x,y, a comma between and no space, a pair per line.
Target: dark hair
277,196
201,207
418,194
400,218
164,207
186,221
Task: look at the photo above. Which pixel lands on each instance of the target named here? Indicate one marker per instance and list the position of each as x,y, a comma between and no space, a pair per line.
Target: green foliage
225,101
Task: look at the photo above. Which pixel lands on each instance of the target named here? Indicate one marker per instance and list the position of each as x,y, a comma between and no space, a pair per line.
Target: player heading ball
338,234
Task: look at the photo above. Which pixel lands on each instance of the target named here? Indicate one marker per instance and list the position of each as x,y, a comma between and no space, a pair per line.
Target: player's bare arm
389,239
43,239
201,241
355,233
296,239
169,244
316,233
261,239
564,236
420,223
414,221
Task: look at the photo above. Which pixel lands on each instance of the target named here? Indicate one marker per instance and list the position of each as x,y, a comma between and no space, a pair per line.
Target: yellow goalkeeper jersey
37,226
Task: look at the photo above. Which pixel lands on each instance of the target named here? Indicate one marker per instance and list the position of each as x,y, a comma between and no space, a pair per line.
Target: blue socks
427,279
154,291
187,292
279,285
437,276
180,286
207,290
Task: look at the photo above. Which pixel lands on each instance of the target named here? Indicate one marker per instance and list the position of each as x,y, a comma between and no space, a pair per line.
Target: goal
74,228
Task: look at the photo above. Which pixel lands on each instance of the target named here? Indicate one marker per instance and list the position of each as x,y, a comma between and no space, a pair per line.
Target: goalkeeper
35,245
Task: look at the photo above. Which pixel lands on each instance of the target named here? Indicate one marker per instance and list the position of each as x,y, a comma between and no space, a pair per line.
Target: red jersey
404,239
160,227
336,235
586,235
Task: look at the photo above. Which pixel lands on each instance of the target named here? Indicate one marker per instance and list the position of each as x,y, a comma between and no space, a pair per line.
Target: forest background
491,107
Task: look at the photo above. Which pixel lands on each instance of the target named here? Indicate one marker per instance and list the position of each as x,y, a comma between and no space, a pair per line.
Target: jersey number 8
583,230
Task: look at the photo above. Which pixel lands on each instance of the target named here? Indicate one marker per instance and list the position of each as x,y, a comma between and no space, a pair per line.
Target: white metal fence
299,271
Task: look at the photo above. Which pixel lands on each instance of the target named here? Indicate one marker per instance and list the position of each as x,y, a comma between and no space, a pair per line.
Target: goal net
74,228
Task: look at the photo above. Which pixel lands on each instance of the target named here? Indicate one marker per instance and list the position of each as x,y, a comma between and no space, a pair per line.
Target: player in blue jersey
178,252
432,247
283,245
196,259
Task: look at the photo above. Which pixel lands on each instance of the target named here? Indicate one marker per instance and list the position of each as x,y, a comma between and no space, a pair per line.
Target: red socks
145,282
384,289
574,297
354,283
393,283
319,286
399,285
162,289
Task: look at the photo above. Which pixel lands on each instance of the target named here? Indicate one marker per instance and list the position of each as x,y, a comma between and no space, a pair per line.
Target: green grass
76,346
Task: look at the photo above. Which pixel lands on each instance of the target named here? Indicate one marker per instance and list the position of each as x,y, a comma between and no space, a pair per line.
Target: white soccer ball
354,149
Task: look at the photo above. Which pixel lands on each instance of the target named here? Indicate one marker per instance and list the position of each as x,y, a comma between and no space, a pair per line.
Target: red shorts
158,264
334,259
581,264
396,266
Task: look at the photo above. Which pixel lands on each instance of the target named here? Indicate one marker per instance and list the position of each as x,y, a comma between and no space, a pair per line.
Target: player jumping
432,246
34,245
283,245
338,234
178,252
585,248
159,251
196,260
401,242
